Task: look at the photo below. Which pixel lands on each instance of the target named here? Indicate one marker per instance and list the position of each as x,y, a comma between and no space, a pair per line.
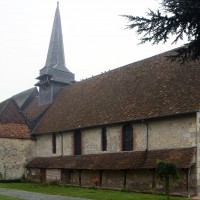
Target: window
77,143
33,172
127,138
54,143
103,139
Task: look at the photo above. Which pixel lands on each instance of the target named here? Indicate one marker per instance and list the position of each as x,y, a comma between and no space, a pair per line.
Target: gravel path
35,196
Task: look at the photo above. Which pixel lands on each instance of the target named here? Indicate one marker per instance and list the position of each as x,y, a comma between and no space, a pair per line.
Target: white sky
95,38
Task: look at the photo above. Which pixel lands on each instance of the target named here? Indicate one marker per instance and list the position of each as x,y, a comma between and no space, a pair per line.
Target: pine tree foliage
177,18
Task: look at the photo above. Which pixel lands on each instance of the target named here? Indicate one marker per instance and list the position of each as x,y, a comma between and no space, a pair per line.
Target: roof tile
12,130
149,88
33,110
123,160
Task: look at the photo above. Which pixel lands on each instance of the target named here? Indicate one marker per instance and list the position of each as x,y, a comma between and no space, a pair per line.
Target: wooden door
42,175
66,176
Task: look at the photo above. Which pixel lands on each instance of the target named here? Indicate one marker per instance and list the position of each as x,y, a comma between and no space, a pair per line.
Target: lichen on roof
150,88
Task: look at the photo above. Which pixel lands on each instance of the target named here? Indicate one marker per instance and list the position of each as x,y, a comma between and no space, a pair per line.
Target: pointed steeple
56,56
54,75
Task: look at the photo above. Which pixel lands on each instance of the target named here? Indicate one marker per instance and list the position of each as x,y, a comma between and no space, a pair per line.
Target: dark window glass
54,143
127,138
77,143
103,139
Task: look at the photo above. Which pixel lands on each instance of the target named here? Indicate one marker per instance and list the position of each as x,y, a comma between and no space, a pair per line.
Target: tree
179,18
165,170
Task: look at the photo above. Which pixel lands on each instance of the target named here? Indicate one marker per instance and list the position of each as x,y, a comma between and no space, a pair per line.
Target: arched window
103,139
77,143
127,137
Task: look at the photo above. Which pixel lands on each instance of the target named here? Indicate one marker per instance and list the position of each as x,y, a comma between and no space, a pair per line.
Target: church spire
54,75
56,56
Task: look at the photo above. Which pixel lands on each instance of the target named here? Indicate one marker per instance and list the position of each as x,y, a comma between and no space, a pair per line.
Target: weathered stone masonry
15,154
168,133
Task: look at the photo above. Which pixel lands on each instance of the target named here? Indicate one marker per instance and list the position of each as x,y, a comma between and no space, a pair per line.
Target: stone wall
53,175
173,133
91,141
15,154
141,180
112,179
176,132
64,145
44,145
68,143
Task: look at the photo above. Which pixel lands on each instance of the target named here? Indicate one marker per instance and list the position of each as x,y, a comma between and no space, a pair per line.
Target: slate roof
33,110
150,88
56,56
14,131
183,158
3,105
24,98
55,65
34,113
21,109
11,113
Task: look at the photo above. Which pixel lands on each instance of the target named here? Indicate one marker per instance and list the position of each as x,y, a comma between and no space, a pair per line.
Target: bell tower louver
54,75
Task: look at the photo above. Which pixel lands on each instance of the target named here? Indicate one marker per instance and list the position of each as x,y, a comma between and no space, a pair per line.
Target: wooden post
153,178
79,177
100,177
187,171
125,174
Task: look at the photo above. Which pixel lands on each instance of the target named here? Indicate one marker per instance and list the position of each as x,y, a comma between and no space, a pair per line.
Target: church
107,131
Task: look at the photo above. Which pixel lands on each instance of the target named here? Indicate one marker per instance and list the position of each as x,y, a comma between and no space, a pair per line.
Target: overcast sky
95,38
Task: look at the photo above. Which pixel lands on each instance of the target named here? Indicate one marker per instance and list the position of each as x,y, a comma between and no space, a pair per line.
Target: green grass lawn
2,197
85,193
